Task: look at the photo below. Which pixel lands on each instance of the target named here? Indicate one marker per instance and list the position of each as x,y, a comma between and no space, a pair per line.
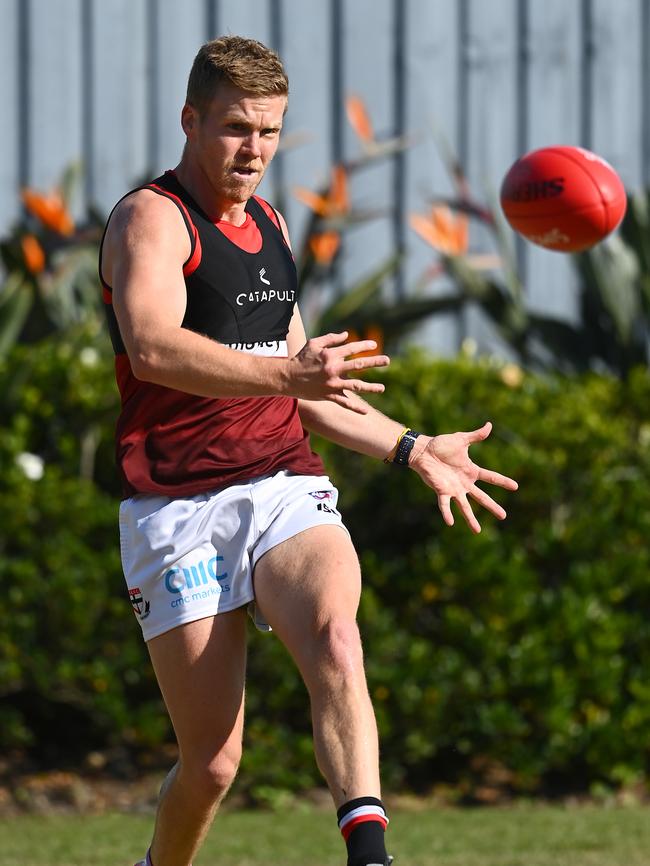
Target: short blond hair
246,63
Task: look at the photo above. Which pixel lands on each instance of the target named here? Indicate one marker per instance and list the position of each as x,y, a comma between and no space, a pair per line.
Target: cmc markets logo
196,582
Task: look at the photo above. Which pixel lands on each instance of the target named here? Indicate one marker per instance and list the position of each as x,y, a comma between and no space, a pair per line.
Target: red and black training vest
241,289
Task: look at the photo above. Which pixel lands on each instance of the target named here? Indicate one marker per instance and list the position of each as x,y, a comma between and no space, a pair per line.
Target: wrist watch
405,447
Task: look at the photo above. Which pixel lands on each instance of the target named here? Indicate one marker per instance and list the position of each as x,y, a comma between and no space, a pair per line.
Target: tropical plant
613,329
367,308
616,293
50,267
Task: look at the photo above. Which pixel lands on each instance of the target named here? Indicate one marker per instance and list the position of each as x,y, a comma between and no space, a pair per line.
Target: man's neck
218,210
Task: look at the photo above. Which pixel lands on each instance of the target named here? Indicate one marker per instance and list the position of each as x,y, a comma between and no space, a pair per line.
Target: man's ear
188,118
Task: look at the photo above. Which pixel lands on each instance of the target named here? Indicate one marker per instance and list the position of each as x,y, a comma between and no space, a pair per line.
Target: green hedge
73,676
529,645
523,650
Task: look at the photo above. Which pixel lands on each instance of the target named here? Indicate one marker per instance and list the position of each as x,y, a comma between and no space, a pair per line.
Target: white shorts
185,559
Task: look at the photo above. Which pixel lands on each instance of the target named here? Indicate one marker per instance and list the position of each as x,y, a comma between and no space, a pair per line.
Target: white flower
89,356
31,464
512,375
469,347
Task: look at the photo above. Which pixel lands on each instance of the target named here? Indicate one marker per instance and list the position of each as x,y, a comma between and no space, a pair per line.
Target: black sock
362,822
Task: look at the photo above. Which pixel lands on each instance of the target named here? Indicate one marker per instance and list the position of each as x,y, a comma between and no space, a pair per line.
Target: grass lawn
517,836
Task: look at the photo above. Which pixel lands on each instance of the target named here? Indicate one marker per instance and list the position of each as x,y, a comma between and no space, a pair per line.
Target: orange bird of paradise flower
444,231
49,209
359,118
335,203
33,254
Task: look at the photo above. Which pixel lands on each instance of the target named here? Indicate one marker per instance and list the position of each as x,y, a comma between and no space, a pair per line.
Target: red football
563,198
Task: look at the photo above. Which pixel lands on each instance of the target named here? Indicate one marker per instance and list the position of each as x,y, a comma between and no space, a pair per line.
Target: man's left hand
444,464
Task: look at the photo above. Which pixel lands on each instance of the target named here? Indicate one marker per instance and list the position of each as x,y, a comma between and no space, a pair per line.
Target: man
226,507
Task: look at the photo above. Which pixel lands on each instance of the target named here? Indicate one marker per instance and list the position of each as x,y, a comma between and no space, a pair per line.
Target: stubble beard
238,190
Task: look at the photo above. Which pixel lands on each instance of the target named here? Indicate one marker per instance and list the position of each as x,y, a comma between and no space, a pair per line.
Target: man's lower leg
185,813
347,752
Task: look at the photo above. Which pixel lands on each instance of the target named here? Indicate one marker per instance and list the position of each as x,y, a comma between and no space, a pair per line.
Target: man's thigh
200,667
307,580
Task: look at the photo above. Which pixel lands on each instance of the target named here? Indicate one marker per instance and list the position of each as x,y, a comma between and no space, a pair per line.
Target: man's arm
442,462
145,248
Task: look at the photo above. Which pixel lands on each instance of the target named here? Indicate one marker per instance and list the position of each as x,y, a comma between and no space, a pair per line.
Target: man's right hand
320,371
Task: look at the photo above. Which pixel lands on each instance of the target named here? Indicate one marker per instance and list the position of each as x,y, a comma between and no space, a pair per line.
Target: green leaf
635,228
16,299
358,295
71,182
613,269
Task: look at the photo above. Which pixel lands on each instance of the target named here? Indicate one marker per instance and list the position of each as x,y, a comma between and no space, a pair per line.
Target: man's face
234,140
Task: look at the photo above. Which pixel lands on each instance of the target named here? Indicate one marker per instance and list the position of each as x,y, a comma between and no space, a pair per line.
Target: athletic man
226,507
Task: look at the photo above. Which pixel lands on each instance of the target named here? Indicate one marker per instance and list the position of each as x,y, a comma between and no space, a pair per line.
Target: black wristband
405,447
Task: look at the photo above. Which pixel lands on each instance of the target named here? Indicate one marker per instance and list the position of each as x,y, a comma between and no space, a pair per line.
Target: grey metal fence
103,81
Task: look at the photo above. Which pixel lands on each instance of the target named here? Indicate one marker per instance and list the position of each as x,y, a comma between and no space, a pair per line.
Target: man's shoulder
145,205
143,218
268,209
276,218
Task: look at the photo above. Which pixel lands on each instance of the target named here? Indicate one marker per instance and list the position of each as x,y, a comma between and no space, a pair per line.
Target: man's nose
251,144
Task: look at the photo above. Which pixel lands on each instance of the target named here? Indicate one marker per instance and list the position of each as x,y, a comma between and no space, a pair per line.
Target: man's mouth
244,170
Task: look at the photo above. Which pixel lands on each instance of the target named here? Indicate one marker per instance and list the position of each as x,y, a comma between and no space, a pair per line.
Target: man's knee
211,776
338,648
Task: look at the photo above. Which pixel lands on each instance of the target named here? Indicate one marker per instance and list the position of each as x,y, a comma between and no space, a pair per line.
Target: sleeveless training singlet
241,290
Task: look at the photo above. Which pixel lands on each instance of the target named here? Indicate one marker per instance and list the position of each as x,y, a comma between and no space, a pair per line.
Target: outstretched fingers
487,502
474,436
463,504
462,501
356,364
336,345
341,368
326,341
491,477
488,475
444,504
350,402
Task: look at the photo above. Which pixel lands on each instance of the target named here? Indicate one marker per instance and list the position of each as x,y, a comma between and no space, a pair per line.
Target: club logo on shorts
141,608
322,496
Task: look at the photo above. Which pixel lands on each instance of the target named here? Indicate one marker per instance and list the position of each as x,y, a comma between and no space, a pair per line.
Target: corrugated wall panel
250,18
178,29
104,80
54,103
550,113
643,35
433,118
10,108
306,52
119,103
617,87
489,132
368,45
